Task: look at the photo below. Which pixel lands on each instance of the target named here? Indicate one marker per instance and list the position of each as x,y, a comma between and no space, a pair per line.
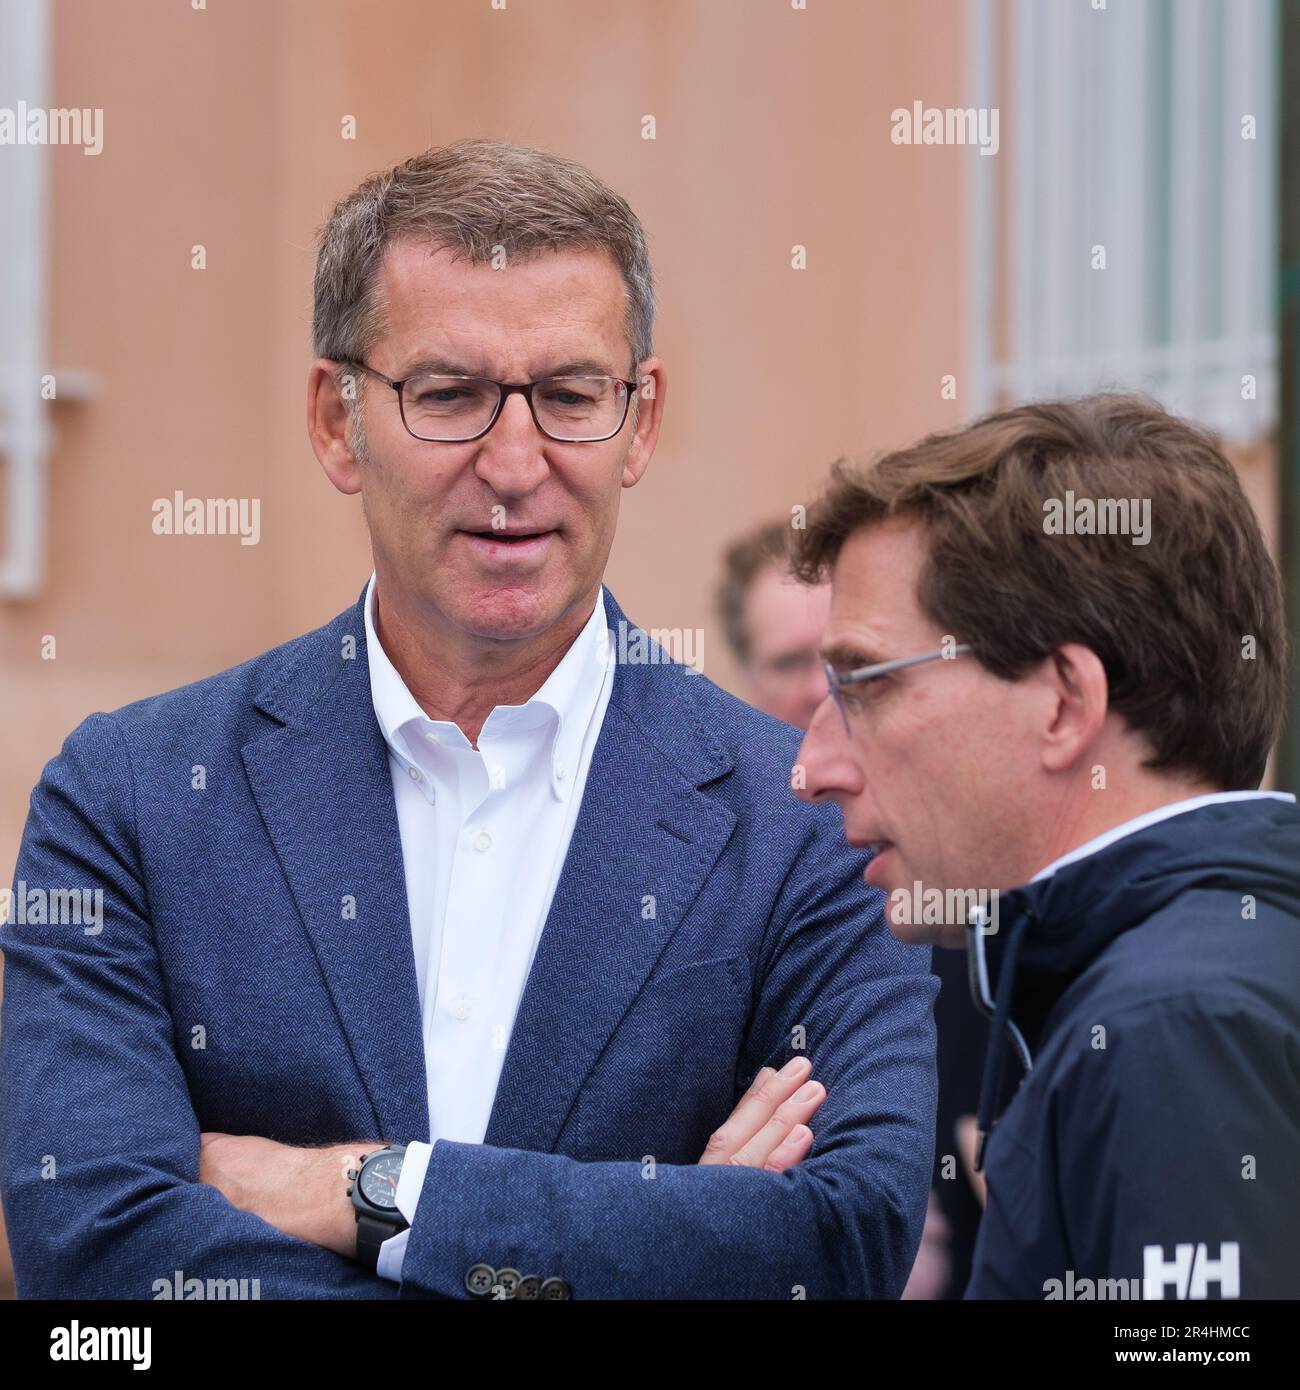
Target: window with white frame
1125,235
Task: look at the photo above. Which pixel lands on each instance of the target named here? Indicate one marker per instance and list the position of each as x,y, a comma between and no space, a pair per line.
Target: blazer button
507,1280
530,1286
555,1288
479,1279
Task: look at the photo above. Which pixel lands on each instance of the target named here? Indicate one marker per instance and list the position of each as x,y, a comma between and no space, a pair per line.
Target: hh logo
1191,1271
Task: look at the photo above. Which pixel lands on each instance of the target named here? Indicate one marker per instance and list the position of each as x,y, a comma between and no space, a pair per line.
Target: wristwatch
374,1196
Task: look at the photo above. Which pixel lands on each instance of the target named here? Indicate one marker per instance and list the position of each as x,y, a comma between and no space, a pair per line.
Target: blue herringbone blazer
254,975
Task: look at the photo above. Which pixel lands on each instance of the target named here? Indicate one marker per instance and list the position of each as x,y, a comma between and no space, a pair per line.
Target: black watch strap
371,1234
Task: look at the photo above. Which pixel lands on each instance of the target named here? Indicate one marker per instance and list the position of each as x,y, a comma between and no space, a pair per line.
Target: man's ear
1080,700
652,384
328,423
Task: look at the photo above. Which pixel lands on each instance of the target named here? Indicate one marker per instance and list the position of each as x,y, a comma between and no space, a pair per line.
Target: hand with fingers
769,1127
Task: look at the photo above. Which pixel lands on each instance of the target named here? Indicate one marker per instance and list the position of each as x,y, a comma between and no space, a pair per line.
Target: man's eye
567,398
862,693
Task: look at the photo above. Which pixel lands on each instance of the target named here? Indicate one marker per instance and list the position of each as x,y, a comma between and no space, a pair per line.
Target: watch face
379,1180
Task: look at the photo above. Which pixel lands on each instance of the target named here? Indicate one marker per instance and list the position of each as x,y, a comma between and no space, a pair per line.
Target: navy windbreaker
1153,1150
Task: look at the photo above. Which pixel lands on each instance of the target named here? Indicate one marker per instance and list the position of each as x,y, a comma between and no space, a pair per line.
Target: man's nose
824,767
511,458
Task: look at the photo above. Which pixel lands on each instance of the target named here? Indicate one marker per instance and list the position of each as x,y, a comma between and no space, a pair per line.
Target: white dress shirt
484,836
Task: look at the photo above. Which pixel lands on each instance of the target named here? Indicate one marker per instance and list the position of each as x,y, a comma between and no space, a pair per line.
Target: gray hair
473,197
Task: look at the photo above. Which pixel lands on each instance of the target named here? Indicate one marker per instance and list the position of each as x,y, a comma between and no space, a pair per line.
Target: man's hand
767,1129
302,1192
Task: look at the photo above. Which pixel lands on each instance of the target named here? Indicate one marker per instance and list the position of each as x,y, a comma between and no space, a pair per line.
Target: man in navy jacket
301,862
1058,669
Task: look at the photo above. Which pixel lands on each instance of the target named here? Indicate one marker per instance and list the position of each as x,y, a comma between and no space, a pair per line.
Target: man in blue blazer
469,945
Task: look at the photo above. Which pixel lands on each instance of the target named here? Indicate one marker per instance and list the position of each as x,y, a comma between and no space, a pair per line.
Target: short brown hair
1168,619
768,545
472,197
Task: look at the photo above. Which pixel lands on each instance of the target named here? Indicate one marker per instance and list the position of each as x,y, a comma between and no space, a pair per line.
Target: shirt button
560,768
415,773
482,841
462,1008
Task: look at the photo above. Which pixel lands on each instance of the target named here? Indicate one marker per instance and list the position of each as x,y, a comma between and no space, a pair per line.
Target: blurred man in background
774,624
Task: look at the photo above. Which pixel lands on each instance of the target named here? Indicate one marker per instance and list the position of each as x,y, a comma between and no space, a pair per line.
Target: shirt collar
573,691
569,696
1131,827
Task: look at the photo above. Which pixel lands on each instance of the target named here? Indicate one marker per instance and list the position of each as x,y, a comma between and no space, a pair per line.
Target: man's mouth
509,544
508,537
878,849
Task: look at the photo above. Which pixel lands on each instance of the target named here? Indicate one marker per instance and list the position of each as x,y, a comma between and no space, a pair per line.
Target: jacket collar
1050,930
328,667
1071,912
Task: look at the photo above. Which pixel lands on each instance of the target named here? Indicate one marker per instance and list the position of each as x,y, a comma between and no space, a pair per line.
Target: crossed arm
303,1191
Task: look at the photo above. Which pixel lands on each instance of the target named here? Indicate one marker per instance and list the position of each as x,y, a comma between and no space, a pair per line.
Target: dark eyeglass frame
504,390
882,668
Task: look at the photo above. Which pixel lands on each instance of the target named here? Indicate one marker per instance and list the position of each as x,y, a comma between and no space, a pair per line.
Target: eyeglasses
458,409
881,668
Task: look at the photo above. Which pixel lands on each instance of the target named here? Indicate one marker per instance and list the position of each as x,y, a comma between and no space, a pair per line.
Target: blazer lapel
643,844
324,790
